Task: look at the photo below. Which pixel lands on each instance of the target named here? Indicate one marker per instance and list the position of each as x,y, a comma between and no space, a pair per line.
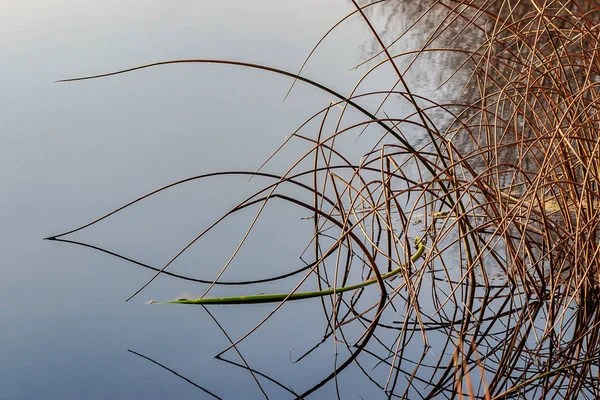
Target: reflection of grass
515,175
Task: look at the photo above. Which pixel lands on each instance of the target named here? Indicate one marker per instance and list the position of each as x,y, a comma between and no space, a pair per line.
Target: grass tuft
501,182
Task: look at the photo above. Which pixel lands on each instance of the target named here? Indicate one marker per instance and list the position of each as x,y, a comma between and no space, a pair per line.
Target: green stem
278,297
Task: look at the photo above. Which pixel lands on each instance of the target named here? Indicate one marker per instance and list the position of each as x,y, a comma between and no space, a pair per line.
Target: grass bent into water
279,297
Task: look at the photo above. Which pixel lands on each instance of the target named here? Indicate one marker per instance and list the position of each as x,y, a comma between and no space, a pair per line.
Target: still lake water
71,152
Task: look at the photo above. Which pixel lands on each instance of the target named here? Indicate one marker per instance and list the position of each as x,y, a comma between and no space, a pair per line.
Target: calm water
71,152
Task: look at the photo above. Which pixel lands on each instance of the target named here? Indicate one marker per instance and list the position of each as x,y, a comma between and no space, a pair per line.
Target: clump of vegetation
501,187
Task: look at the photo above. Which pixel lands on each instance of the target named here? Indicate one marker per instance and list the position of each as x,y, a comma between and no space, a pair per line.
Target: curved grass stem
278,297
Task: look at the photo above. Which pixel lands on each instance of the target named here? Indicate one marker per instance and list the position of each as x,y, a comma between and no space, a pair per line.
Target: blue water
71,152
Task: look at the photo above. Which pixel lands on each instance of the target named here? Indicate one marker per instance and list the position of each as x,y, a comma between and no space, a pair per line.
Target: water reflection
174,373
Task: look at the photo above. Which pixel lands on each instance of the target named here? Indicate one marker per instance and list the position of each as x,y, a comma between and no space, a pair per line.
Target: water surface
71,152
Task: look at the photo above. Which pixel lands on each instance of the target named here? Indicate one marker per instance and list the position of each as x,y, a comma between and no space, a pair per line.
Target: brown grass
506,297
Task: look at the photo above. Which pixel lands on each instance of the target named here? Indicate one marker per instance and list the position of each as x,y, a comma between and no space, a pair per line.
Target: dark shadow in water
175,373
185,278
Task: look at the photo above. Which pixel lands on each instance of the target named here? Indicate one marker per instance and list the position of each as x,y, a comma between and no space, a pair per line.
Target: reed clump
502,185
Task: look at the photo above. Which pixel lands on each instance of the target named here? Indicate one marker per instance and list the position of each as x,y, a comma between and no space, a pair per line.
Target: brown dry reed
501,183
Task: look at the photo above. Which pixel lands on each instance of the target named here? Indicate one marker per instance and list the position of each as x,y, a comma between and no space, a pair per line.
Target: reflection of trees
435,29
